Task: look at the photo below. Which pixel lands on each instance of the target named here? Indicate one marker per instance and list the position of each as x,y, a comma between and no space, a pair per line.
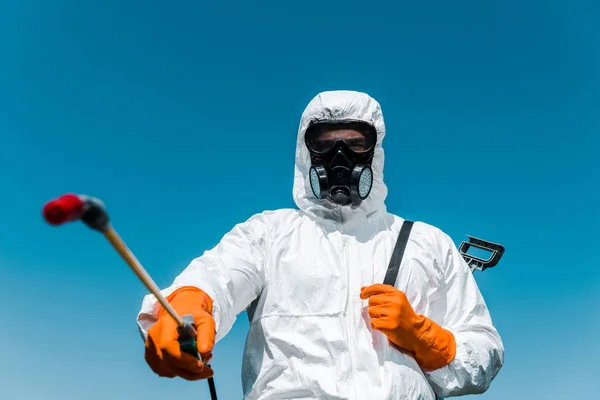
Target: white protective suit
310,335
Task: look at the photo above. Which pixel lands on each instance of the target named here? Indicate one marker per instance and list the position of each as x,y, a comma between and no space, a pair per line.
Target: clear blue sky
183,117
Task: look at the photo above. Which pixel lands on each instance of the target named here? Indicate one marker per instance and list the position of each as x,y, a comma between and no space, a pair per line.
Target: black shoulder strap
396,260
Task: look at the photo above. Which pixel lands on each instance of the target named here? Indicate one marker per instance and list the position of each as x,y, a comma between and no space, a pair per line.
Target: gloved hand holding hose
163,353
176,346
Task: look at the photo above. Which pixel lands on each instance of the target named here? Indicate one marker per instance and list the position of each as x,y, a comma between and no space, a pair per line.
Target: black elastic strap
396,260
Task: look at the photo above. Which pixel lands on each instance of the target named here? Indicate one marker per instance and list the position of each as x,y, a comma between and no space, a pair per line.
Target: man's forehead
341,133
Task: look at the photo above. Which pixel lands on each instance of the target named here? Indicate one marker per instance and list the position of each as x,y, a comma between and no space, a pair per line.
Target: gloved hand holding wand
162,357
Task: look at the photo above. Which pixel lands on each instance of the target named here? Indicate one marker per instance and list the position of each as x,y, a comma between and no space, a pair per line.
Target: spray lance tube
72,207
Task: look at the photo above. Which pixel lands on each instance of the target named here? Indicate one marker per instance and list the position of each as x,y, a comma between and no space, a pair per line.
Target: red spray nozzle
68,207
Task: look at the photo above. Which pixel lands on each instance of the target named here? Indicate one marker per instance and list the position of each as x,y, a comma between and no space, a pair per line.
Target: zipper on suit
349,312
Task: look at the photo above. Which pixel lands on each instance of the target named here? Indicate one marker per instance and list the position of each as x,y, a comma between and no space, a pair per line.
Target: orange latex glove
431,345
163,353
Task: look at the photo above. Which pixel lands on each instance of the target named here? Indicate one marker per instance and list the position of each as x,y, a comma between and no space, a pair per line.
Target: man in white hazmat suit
323,325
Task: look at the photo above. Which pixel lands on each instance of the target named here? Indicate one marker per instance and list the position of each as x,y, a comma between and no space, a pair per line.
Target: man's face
338,172
356,140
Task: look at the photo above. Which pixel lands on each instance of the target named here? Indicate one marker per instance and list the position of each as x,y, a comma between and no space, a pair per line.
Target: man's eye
357,144
324,144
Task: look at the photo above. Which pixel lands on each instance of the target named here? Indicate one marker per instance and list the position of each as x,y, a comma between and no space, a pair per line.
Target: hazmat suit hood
340,106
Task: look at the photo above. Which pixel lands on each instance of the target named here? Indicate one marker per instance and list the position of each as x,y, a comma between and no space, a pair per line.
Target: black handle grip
187,336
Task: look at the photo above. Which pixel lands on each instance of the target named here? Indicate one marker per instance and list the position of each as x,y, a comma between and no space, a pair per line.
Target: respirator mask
341,156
